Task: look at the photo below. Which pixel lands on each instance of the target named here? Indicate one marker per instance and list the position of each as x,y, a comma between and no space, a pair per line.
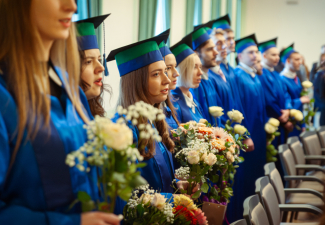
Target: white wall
121,28
301,23
177,21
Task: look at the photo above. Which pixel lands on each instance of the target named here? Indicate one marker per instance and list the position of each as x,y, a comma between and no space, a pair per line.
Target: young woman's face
158,82
197,72
92,71
172,73
52,18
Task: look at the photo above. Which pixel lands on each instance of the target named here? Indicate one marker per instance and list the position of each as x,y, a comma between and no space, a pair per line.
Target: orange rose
218,144
205,130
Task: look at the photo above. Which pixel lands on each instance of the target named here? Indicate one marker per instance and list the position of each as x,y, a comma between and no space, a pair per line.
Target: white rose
274,122
211,159
193,157
296,114
145,198
235,116
307,84
269,128
230,157
158,201
203,156
116,136
239,129
203,121
216,111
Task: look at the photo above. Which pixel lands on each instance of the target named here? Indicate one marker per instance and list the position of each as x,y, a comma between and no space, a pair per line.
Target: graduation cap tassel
104,55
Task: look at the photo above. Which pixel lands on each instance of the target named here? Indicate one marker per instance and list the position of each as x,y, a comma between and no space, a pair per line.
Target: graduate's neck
205,69
185,90
44,54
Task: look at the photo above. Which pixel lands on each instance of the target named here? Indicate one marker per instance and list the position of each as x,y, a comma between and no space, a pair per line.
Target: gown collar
267,67
190,101
205,76
288,73
251,71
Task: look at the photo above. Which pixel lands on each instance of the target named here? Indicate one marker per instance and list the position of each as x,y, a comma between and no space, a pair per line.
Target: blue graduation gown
276,98
294,91
319,94
226,93
184,113
40,186
253,102
207,96
170,119
159,171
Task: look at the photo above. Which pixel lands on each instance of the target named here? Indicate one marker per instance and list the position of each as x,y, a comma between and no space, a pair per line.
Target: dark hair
134,88
95,104
228,30
198,49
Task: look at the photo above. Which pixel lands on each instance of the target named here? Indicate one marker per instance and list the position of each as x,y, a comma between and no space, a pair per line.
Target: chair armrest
303,191
315,157
310,167
323,150
300,208
303,178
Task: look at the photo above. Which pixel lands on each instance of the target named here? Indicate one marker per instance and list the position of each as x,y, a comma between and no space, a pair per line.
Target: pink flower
199,215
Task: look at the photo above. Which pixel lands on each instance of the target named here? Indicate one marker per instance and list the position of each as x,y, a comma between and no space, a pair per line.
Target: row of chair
304,174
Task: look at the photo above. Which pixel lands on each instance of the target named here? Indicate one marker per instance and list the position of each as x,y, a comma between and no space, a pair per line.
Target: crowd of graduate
51,73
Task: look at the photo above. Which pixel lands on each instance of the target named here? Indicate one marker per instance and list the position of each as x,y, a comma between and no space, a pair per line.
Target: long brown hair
95,104
27,78
134,88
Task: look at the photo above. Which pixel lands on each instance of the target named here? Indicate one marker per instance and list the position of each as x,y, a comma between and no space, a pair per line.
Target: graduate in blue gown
319,93
36,185
189,68
277,98
144,78
168,107
92,66
292,61
253,102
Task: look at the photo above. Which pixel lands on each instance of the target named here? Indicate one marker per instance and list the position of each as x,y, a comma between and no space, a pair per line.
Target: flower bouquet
207,156
271,128
296,117
110,151
308,108
153,208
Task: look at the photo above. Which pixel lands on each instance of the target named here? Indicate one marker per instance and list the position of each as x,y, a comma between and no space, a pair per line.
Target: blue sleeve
296,103
178,112
15,214
85,103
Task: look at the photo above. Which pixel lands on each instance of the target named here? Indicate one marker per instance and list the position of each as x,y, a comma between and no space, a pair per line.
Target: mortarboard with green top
135,56
182,49
86,32
199,36
86,35
221,23
285,53
266,45
164,50
245,42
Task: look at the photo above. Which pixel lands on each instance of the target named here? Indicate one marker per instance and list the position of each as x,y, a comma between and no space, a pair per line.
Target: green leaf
141,165
215,178
227,127
83,196
241,158
140,210
87,206
312,100
125,194
175,135
186,126
118,177
205,187
196,194
277,134
137,181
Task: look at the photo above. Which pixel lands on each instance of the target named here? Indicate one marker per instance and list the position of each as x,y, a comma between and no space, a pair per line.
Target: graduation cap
135,56
221,23
266,45
182,49
285,53
86,32
86,36
245,42
164,50
199,36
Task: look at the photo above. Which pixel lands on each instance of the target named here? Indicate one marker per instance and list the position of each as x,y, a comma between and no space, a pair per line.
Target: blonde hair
185,70
27,78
